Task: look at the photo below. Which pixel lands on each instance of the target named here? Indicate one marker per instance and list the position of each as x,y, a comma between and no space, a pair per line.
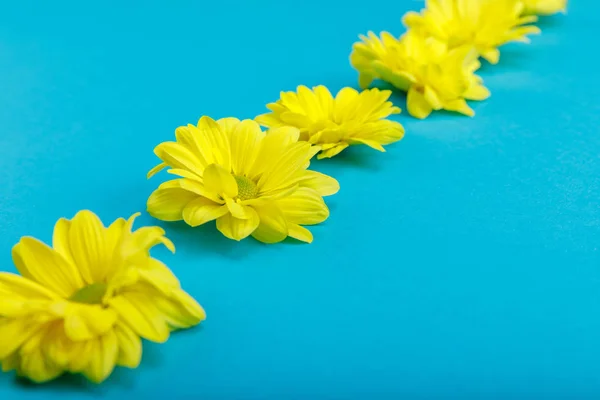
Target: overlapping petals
545,7
483,25
434,76
251,182
84,304
333,124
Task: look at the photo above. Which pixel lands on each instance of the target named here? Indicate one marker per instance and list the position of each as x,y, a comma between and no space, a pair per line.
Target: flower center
246,188
90,294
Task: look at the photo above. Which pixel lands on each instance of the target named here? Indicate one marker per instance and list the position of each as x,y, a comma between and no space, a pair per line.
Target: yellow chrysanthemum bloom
334,124
434,77
483,24
252,182
545,7
82,305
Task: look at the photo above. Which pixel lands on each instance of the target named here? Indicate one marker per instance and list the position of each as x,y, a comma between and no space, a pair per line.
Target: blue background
463,263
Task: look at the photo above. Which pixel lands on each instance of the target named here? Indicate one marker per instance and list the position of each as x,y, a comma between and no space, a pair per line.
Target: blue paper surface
461,264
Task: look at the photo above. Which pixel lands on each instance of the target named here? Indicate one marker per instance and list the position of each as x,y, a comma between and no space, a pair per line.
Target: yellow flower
82,305
482,24
545,7
334,124
252,182
435,77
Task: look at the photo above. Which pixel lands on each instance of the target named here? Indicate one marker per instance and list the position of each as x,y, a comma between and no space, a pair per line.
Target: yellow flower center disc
90,294
246,188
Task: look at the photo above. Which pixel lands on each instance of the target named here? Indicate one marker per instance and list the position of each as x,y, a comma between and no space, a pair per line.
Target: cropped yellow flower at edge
434,76
83,305
334,124
545,7
251,182
482,24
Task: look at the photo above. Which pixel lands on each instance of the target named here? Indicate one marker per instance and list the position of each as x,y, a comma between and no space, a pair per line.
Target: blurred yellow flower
545,7
334,124
435,77
252,182
483,24
82,305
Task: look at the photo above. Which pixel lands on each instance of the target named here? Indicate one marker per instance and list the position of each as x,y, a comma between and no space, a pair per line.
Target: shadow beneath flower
514,56
121,378
358,156
207,239
70,382
551,22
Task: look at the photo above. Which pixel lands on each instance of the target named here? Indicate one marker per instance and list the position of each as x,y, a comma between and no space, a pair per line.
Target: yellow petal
290,163
14,332
83,321
187,136
39,262
34,363
245,143
103,357
11,362
177,156
333,151
228,125
218,180
60,239
273,226
275,143
159,275
13,285
184,173
321,183
130,347
79,355
156,170
343,101
202,210
216,141
300,233
180,310
237,229
371,143
138,312
477,92
146,237
167,203
88,246
461,106
491,55
417,105
304,207
114,236
200,190
58,348
237,209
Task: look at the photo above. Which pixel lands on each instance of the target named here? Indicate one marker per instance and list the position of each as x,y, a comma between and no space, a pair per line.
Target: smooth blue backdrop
463,263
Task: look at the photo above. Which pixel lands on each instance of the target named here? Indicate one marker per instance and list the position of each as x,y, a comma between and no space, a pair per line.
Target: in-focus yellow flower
545,7
82,305
482,24
334,124
435,77
252,182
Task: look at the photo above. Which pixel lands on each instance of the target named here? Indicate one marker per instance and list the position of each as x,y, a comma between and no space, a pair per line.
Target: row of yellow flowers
84,304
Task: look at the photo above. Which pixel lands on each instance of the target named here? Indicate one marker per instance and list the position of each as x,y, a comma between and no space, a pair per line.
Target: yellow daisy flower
334,124
251,182
545,7
483,24
435,77
82,305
